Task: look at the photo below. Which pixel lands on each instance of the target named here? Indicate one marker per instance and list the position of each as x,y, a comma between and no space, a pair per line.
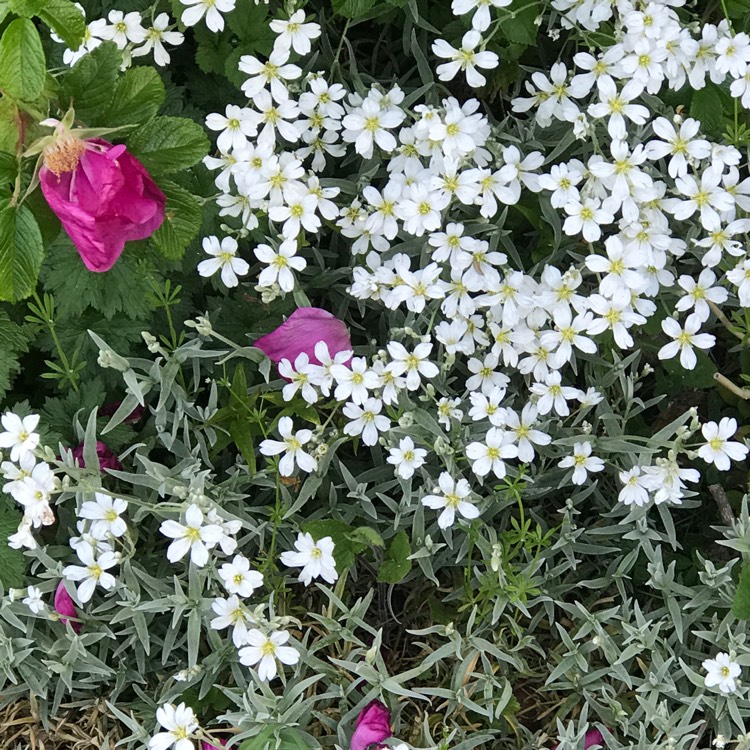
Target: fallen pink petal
372,727
103,196
301,331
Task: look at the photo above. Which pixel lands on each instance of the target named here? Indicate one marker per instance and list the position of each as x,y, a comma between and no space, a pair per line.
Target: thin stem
725,321
742,393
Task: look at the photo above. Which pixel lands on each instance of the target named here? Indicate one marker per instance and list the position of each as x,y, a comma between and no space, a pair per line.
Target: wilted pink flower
107,459
301,331
103,196
64,606
372,727
593,737
208,746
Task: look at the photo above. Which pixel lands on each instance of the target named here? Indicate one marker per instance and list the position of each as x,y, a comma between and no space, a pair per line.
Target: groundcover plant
374,373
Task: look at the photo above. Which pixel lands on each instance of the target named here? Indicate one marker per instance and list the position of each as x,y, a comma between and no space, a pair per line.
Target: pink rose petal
372,727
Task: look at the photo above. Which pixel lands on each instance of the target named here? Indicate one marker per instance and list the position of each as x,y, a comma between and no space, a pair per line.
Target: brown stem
725,321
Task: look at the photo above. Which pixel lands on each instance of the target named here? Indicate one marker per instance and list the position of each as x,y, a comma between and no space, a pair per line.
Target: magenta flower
107,459
103,196
372,727
301,331
593,737
64,606
208,746
109,409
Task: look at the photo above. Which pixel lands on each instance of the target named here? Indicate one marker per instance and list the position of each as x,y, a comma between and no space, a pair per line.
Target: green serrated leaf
89,84
345,549
352,8
21,253
14,341
12,561
3,9
182,221
741,604
61,16
22,63
137,97
518,22
706,106
396,564
169,144
367,536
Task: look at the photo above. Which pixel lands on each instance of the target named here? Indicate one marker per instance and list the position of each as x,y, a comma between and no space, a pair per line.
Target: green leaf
707,107
3,9
137,97
89,84
169,144
741,604
519,25
277,738
182,221
352,8
366,535
396,564
61,16
14,341
12,561
21,253
8,167
8,126
22,64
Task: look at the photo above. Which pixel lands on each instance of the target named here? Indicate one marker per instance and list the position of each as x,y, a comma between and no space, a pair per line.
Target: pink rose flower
103,196
64,606
208,746
372,727
107,459
301,331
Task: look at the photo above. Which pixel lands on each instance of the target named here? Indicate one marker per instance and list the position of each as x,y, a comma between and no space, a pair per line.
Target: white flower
447,409
295,33
193,537
180,723
125,28
314,557
719,449
684,340
321,375
274,73
155,38
297,214
15,474
412,364
34,494
299,376
235,126
291,447
212,9
406,458
232,613
224,259
582,462
636,487
366,420
700,293
368,125
229,529
465,58
739,276
722,672
481,18
280,264
238,578
105,512
92,572
354,380
33,600
488,456
264,650
19,434
452,500
683,147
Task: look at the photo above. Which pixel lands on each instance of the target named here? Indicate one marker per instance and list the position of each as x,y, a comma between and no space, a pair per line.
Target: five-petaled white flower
212,10
722,672
314,557
238,578
264,650
582,462
465,58
92,572
193,537
719,449
181,725
406,458
224,258
105,512
451,501
292,448
19,434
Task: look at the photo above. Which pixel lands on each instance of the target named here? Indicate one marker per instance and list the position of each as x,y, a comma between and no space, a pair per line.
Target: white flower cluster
651,203
30,483
132,38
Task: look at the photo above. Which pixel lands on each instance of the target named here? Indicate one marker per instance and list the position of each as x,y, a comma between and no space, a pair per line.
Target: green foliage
169,144
707,106
14,341
349,541
182,221
12,561
136,98
22,62
396,565
61,16
741,604
89,84
353,8
21,252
